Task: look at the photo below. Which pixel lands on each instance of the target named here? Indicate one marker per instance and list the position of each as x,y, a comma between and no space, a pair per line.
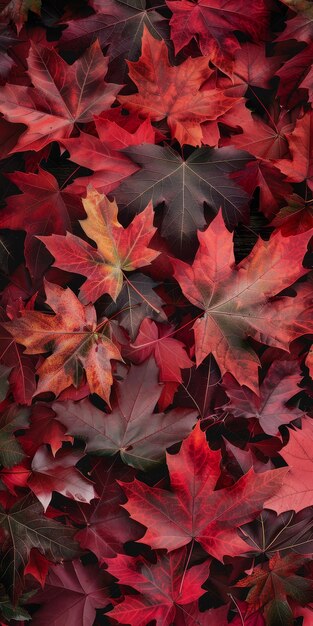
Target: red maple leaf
59,474
264,138
252,68
118,250
164,587
297,491
182,294
44,428
212,23
170,354
103,525
270,408
21,366
72,592
62,95
295,217
103,154
175,93
42,209
75,339
193,510
300,167
300,26
116,25
236,301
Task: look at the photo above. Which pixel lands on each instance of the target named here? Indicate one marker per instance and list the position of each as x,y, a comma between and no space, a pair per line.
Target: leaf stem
238,608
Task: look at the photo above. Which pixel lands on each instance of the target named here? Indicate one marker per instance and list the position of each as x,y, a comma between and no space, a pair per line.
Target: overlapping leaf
296,493
13,418
73,593
213,23
118,249
278,387
24,527
121,325
62,95
185,187
75,340
236,300
163,587
174,93
132,429
193,510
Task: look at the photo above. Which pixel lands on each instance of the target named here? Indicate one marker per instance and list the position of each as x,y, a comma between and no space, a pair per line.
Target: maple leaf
280,384
192,509
44,428
24,527
16,476
73,337
10,612
175,93
288,531
170,354
235,299
300,167
200,387
251,68
37,566
292,74
118,250
116,24
273,585
12,419
62,95
213,22
17,10
272,184
43,208
104,525
255,619
297,491
103,154
264,138
296,217
299,27
137,301
22,374
58,474
163,587
243,459
132,429
307,84
110,167
242,78
72,593
118,130
21,288
185,186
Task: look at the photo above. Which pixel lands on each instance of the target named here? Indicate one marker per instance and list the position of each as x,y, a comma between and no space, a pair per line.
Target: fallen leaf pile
156,312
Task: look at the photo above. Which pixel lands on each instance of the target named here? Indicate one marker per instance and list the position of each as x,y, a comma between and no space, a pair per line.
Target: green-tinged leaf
24,527
13,419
